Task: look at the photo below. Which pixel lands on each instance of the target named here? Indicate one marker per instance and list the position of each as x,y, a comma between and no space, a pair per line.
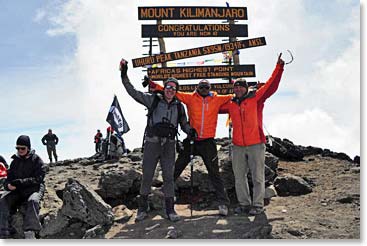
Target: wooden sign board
200,51
220,88
199,12
193,30
202,72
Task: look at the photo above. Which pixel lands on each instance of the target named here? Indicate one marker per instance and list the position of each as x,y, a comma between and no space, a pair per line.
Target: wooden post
162,45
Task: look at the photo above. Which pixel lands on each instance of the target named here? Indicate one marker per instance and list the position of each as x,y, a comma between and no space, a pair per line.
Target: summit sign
179,13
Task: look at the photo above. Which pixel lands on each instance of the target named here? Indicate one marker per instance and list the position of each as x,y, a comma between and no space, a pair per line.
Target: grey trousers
245,159
165,153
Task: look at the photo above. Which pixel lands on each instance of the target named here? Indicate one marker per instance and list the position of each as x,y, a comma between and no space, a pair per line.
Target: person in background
25,184
98,141
50,140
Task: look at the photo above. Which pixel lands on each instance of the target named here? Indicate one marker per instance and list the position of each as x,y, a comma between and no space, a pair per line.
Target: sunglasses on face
20,148
204,87
170,87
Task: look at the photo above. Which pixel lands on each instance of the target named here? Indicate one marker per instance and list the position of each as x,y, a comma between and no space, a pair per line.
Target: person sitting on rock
25,185
166,112
248,152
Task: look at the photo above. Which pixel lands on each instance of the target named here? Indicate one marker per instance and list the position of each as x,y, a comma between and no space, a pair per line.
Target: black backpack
162,129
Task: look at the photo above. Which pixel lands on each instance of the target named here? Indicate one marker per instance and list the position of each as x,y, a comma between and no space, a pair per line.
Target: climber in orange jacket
248,153
203,107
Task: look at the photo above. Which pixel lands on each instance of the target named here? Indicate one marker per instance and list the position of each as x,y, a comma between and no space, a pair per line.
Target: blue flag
116,118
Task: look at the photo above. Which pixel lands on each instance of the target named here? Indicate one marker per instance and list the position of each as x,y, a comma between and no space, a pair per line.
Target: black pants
207,150
12,201
51,150
98,147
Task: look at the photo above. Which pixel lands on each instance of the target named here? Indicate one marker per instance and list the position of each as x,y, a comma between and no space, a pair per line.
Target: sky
59,69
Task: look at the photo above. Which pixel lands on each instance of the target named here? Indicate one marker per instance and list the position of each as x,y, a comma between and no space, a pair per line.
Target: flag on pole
116,119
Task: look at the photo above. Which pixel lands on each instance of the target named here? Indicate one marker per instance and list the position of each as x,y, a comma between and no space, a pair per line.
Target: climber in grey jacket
165,112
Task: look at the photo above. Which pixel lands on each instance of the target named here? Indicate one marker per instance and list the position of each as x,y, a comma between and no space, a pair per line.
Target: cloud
317,128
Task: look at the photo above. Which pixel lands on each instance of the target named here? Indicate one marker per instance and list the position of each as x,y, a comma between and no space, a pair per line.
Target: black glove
193,134
146,81
16,182
123,68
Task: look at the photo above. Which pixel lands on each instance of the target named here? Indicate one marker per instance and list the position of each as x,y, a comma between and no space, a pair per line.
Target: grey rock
96,232
85,205
291,185
116,183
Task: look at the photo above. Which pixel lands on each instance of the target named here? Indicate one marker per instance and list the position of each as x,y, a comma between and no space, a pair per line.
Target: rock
355,169
271,161
116,183
291,185
54,224
349,199
122,213
134,156
96,232
339,156
172,233
284,149
270,192
156,199
357,160
85,205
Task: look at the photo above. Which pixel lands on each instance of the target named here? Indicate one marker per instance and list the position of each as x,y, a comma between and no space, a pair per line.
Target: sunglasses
20,148
170,87
204,87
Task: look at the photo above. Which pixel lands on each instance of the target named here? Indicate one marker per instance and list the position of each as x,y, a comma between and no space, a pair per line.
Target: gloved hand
16,182
146,81
192,134
123,67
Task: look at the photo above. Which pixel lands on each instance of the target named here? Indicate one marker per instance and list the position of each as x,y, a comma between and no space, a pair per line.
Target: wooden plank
220,88
202,72
194,30
197,12
200,51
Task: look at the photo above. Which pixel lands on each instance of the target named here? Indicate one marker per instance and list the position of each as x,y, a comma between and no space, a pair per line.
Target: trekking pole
192,173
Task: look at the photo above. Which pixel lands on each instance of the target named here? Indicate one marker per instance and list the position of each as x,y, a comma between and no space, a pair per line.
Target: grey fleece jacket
164,110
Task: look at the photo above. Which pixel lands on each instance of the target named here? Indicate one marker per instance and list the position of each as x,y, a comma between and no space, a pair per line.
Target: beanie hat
241,82
24,140
173,80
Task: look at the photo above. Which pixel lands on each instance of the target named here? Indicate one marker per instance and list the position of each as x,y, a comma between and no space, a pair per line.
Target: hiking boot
143,208
170,210
242,209
29,235
223,210
256,211
141,215
174,217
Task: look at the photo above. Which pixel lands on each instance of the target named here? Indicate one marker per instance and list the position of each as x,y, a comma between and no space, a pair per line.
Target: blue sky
59,69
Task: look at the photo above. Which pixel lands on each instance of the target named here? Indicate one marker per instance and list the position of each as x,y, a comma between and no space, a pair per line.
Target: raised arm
272,84
141,97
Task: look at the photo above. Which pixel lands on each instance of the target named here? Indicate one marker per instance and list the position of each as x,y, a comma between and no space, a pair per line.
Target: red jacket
247,116
202,111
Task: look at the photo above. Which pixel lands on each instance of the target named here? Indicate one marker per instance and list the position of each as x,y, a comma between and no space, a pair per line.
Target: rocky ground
318,198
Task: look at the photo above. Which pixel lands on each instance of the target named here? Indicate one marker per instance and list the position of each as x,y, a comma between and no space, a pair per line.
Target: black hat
173,80
241,82
24,140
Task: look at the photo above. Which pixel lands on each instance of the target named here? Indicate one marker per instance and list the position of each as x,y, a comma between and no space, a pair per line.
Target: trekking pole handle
191,151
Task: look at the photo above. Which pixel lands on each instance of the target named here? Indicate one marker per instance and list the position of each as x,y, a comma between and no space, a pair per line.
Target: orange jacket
247,116
202,111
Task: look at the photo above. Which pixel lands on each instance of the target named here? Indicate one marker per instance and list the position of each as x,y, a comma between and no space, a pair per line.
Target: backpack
162,129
